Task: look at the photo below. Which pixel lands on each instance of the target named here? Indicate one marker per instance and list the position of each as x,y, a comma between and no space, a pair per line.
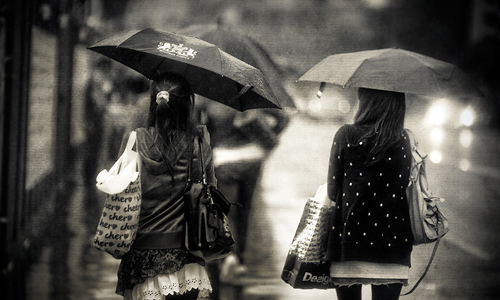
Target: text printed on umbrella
178,50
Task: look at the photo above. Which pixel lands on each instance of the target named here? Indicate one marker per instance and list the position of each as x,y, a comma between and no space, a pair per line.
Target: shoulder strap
415,152
200,152
128,148
131,140
414,145
427,268
190,163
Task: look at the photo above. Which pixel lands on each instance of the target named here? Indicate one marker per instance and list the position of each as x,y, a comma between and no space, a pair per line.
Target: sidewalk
292,173
278,204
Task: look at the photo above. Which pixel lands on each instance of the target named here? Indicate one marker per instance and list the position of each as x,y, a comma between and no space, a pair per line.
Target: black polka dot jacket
371,221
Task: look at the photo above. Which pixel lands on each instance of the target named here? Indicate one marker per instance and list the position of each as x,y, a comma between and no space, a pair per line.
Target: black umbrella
245,48
211,72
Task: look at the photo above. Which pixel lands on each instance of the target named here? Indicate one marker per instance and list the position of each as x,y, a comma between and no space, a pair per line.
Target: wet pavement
464,267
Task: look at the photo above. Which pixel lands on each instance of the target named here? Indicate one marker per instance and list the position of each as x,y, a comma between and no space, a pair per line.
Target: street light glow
467,117
437,135
437,114
465,138
464,165
436,156
377,4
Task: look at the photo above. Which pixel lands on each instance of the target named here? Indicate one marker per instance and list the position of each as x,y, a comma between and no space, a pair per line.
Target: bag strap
128,147
190,163
414,148
427,268
412,138
200,151
131,140
414,145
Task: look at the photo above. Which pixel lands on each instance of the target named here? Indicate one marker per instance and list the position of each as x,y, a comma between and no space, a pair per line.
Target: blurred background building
59,102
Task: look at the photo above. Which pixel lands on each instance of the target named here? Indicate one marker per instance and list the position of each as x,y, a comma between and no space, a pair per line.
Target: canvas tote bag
119,220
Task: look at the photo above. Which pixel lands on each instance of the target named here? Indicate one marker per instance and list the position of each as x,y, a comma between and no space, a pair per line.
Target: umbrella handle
243,90
321,89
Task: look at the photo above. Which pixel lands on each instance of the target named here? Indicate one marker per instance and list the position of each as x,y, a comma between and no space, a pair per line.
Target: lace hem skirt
191,276
138,266
359,272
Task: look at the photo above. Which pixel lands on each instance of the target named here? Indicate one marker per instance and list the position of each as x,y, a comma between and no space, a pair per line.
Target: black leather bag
207,226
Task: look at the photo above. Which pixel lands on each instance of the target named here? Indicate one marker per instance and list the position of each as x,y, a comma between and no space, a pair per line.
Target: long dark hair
384,113
174,114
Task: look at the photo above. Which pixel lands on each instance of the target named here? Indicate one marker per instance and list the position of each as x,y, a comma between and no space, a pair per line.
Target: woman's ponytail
172,102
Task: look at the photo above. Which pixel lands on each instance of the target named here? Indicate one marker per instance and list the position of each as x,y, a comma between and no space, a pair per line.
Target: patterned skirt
153,274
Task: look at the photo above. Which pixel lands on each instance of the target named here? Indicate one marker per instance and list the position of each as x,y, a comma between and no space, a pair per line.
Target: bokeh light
315,105
467,117
464,165
437,114
437,135
465,138
344,106
436,156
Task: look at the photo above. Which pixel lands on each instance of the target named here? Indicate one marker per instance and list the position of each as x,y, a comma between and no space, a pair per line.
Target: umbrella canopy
394,70
246,49
211,72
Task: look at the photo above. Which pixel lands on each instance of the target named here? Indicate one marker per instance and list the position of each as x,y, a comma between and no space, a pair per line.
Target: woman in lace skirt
158,266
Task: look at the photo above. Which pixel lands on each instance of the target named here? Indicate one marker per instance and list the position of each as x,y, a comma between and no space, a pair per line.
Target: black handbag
206,223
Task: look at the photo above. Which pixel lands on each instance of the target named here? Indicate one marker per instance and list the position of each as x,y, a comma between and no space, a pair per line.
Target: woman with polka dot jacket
370,241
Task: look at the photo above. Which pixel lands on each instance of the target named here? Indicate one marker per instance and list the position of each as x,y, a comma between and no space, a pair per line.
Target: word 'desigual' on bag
119,221
305,267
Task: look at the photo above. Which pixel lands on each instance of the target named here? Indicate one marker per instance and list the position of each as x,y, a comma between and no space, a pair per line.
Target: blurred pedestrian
241,142
158,265
129,88
371,240
98,92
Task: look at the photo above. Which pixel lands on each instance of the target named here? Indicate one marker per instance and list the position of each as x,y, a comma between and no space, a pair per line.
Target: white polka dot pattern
376,193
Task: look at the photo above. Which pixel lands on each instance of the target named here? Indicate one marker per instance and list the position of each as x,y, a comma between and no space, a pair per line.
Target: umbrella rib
361,64
379,52
186,71
236,97
157,68
352,74
220,60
